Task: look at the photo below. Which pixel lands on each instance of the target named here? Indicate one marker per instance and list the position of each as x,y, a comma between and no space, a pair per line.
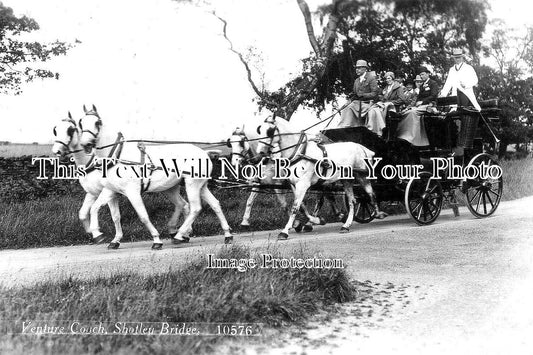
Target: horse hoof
180,241
113,245
308,228
100,239
344,230
322,221
381,215
228,240
157,246
297,226
283,236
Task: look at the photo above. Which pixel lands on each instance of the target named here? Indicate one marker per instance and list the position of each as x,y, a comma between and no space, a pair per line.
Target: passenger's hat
418,78
423,70
457,53
389,73
361,63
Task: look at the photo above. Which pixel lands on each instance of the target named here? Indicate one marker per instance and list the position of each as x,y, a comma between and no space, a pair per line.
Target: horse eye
258,129
79,123
228,144
55,133
99,123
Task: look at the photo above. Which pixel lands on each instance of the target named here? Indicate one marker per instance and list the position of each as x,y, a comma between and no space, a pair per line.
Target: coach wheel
364,212
483,194
423,199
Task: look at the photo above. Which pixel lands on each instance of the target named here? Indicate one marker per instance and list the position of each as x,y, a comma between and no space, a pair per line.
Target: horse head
66,137
269,133
240,147
90,126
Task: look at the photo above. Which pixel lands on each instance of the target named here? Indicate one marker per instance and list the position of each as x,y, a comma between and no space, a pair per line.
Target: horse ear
258,127
94,108
228,144
69,115
79,124
55,133
84,109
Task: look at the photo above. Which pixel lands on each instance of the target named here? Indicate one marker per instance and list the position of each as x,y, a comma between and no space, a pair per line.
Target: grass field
192,293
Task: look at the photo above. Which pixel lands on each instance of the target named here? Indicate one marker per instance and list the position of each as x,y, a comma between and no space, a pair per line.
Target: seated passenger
410,92
362,111
411,127
393,97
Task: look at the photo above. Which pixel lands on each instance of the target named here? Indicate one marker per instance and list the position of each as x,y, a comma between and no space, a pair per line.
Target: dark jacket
396,95
429,91
368,89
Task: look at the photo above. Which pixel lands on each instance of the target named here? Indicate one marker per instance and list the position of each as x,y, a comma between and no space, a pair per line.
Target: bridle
70,133
98,123
246,153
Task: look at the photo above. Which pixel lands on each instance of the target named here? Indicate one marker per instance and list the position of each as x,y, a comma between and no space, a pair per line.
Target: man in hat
460,81
362,111
429,90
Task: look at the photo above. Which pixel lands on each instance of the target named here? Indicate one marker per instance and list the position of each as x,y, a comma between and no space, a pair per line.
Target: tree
511,81
287,99
16,54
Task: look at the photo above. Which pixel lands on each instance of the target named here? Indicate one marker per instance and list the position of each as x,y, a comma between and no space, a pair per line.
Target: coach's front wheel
484,193
424,198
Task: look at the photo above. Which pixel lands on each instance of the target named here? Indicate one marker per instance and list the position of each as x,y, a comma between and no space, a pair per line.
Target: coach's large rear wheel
483,194
423,199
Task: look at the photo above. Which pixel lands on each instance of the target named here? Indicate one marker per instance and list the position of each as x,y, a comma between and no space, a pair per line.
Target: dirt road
459,285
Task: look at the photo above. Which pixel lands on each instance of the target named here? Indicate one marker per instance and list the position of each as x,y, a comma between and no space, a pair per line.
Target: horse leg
249,203
281,198
134,196
333,203
348,190
105,197
173,194
215,205
115,215
193,188
299,194
85,209
370,192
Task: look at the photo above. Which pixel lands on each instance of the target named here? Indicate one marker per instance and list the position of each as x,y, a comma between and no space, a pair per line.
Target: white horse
244,150
304,156
66,144
183,161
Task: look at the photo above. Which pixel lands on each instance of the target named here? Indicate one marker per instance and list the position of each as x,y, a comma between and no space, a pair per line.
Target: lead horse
184,156
304,155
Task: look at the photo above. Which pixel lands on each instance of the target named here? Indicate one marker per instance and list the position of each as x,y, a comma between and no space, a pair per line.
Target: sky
162,70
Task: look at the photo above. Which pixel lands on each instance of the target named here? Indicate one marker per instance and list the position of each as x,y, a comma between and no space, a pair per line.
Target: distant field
18,150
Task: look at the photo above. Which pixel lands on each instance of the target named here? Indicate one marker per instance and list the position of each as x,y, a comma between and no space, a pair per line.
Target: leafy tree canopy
16,54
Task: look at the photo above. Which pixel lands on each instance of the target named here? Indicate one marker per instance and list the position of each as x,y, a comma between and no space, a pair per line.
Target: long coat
367,89
429,91
395,95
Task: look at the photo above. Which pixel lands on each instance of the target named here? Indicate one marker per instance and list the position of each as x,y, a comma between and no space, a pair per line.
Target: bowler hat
458,53
361,63
423,70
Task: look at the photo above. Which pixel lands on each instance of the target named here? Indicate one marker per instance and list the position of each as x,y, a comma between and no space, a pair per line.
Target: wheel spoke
473,197
497,195
484,203
478,201
490,200
358,208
